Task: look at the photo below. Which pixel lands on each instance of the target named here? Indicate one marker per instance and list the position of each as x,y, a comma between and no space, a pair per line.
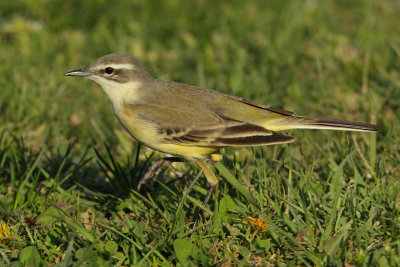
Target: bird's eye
109,70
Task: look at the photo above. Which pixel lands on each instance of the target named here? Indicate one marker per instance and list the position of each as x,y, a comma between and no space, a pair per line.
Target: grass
69,172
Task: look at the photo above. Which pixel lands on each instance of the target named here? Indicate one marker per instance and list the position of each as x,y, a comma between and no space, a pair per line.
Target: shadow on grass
30,177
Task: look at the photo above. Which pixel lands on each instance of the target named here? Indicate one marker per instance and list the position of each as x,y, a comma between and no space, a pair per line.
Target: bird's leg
157,167
211,179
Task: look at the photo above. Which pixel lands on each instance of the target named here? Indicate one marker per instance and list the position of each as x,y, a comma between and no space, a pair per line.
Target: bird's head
117,74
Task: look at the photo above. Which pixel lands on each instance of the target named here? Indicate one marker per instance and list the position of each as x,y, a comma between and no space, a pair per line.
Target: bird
190,122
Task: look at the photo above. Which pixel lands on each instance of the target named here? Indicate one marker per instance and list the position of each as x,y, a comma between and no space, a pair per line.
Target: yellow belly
147,133
190,152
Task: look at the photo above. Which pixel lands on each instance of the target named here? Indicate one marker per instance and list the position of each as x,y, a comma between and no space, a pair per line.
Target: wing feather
207,129
255,140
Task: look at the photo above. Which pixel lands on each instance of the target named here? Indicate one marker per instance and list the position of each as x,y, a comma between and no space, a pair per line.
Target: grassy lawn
68,171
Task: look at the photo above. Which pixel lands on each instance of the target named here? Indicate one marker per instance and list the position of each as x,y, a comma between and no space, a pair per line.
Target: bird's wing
195,125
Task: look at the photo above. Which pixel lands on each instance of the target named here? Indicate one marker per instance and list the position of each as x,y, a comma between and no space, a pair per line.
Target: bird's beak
79,73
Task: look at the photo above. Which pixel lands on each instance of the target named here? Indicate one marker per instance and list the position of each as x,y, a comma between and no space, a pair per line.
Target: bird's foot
157,167
199,211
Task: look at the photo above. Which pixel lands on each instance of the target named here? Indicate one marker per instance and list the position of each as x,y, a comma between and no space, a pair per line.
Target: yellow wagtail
193,122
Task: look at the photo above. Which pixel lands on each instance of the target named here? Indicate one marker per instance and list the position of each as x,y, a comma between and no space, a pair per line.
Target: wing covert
194,126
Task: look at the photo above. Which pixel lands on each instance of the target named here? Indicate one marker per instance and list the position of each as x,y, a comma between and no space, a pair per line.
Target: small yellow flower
5,234
258,223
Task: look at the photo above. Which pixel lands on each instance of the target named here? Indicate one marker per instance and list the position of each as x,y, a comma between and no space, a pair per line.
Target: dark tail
302,122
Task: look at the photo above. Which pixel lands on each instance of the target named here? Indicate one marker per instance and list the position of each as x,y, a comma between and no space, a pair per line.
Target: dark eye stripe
118,75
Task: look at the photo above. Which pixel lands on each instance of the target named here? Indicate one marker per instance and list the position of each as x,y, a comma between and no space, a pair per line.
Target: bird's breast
148,133
142,130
